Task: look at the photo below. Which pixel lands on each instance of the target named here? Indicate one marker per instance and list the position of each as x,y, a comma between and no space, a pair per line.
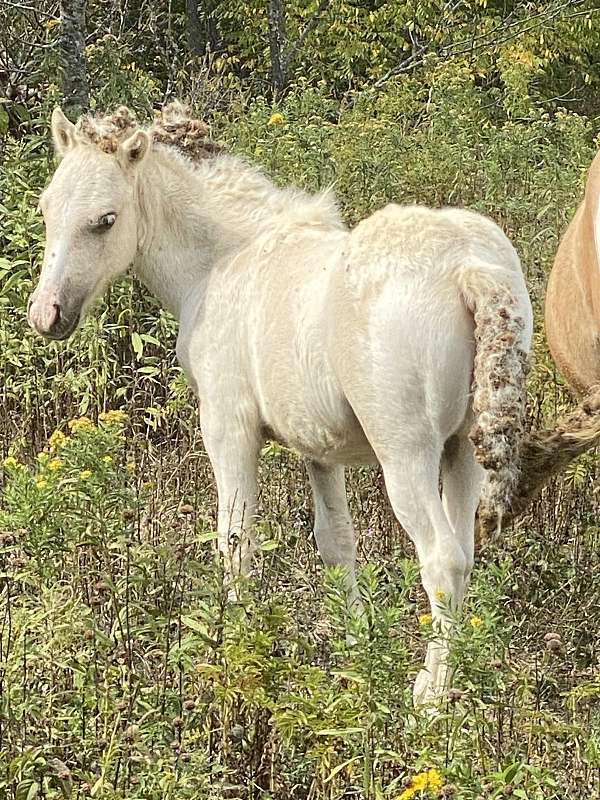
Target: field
124,671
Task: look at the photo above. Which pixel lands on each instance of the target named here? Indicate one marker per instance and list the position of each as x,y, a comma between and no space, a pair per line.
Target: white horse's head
90,213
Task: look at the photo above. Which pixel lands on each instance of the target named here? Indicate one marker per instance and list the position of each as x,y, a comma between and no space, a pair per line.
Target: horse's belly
330,436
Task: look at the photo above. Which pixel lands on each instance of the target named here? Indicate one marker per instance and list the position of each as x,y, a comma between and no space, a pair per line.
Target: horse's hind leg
411,480
462,478
333,529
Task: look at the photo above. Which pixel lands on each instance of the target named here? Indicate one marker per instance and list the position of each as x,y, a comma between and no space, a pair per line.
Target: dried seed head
454,695
186,508
178,722
237,732
131,732
7,539
552,635
554,646
129,514
189,704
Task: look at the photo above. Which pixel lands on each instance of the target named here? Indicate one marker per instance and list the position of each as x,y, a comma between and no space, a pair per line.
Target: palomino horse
348,346
573,294
573,335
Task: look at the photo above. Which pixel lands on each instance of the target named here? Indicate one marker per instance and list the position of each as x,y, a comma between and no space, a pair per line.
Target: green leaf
138,345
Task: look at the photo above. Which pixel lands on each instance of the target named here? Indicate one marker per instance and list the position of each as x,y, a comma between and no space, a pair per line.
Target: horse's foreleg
233,452
333,529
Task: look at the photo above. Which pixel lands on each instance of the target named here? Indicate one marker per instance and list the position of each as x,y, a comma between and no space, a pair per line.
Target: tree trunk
277,44
75,85
196,37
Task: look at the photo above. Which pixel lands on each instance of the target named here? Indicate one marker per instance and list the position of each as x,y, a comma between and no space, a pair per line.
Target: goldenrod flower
10,462
85,474
430,780
275,119
107,459
80,424
55,464
476,622
41,483
425,619
58,439
114,417
43,458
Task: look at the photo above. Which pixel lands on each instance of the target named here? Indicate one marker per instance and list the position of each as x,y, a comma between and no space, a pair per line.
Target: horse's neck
188,223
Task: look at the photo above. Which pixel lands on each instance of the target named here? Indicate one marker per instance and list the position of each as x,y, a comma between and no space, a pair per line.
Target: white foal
401,342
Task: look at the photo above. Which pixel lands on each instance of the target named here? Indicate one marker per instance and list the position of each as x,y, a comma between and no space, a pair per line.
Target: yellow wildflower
425,619
41,483
476,622
55,464
275,119
440,594
85,474
52,23
58,439
430,780
10,462
107,459
114,417
130,466
80,424
43,458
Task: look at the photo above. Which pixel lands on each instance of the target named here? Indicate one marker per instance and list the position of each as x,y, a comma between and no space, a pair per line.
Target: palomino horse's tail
500,307
547,452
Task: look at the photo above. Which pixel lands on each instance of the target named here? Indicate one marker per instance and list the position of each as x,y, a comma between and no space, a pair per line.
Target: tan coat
573,294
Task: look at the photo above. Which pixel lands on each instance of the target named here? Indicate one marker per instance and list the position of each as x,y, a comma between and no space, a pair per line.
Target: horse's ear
63,132
134,149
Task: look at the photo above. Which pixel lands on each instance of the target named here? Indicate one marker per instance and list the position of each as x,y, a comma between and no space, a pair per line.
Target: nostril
56,314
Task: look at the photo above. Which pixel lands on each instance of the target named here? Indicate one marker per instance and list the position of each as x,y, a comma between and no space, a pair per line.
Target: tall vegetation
123,671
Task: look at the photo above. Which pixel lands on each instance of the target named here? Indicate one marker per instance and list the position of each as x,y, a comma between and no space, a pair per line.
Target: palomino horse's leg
333,529
233,452
412,486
